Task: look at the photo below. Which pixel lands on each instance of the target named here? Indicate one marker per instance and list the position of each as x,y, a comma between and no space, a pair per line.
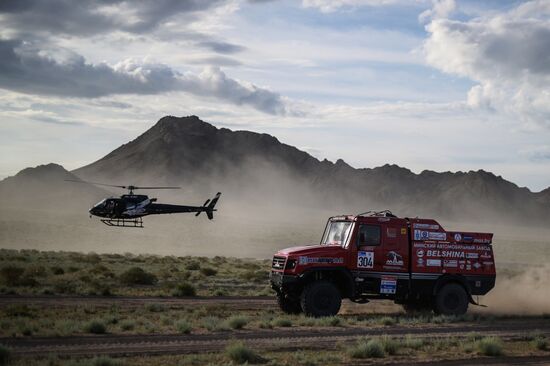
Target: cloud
507,54
329,6
222,47
91,17
440,9
28,69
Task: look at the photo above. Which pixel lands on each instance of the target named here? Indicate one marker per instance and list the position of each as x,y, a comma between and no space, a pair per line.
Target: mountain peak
192,125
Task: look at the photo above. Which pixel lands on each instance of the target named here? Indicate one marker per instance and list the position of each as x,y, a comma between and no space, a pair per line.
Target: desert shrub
95,327
240,354
540,343
367,349
56,270
27,280
237,322
155,308
193,266
137,276
184,289
386,320
213,323
104,361
282,322
330,321
255,275
183,326
489,346
208,271
5,355
413,342
11,275
63,286
19,310
127,325
391,345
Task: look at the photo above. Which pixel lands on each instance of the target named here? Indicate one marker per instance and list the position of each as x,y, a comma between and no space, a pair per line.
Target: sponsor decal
450,263
458,237
388,284
420,253
426,226
433,262
445,253
468,267
472,255
477,265
462,266
488,263
403,231
482,241
384,219
486,255
420,262
324,260
365,259
394,259
429,235
391,232
467,239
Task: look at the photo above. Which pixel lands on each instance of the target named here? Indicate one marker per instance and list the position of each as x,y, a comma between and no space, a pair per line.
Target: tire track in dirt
277,339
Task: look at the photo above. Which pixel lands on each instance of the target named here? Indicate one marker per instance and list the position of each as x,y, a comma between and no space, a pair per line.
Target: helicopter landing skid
137,222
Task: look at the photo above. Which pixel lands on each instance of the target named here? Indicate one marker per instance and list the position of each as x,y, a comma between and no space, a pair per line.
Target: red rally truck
376,255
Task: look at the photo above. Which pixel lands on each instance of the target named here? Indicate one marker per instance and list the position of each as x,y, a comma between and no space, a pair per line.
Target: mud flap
473,302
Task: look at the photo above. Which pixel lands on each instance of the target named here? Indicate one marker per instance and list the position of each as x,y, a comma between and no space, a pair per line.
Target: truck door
382,254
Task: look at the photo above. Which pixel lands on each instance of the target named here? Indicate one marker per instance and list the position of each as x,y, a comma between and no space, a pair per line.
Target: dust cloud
525,293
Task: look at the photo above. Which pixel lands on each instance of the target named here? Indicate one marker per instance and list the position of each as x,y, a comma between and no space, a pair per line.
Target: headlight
290,264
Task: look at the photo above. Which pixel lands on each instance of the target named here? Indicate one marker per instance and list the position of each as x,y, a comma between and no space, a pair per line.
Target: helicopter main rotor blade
155,187
99,184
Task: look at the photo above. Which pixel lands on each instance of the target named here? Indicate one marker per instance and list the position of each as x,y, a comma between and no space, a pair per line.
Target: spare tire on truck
451,299
321,298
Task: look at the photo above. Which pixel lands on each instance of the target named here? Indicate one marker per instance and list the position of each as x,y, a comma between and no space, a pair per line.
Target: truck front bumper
281,282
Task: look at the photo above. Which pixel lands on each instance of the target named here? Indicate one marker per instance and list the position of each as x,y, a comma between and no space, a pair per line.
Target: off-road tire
321,298
451,299
288,304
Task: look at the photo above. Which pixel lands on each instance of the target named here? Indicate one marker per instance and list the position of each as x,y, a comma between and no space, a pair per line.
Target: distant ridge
258,168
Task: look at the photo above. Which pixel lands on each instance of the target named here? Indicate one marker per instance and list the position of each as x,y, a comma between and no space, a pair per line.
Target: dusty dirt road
273,339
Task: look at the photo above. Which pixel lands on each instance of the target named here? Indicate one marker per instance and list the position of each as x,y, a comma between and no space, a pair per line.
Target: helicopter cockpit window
101,203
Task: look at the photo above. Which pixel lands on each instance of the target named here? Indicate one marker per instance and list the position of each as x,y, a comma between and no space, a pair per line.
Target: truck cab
376,255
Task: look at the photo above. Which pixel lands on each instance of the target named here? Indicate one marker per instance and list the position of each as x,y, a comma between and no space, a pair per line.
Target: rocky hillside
253,166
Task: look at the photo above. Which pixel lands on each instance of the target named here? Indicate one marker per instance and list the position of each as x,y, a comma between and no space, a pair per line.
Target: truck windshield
336,233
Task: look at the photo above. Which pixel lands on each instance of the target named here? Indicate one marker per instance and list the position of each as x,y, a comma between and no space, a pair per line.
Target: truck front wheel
451,299
288,304
321,298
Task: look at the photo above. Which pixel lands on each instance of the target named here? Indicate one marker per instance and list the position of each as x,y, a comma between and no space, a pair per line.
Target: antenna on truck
383,213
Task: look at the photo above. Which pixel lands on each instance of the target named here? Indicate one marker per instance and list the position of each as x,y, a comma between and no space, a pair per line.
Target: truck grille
278,263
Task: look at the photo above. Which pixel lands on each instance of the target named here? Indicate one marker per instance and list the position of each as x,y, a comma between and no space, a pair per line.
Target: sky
443,85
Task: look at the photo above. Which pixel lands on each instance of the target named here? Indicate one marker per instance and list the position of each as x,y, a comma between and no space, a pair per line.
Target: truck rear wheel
288,304
321,298
451,299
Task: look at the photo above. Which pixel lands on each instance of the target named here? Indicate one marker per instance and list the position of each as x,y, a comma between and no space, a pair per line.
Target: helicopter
129,209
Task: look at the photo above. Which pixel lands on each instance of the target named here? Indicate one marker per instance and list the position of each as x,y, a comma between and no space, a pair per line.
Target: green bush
56,270
367,349
540,343
386,320
413,342
127,325
240,354
208,271
193,266
155,308
183,326
11,275
237,322
104,361
184,289
282,322
490,346
330,321
391,345
5,355
137,276
95,327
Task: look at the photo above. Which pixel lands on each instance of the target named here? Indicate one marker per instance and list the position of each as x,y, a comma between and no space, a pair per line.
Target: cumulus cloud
440,9
28,69
507,54
329,6
88,17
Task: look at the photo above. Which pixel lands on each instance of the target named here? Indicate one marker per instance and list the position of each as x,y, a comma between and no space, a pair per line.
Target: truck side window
368,235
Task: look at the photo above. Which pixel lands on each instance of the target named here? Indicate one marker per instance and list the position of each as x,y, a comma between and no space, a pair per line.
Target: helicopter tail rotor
209,206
